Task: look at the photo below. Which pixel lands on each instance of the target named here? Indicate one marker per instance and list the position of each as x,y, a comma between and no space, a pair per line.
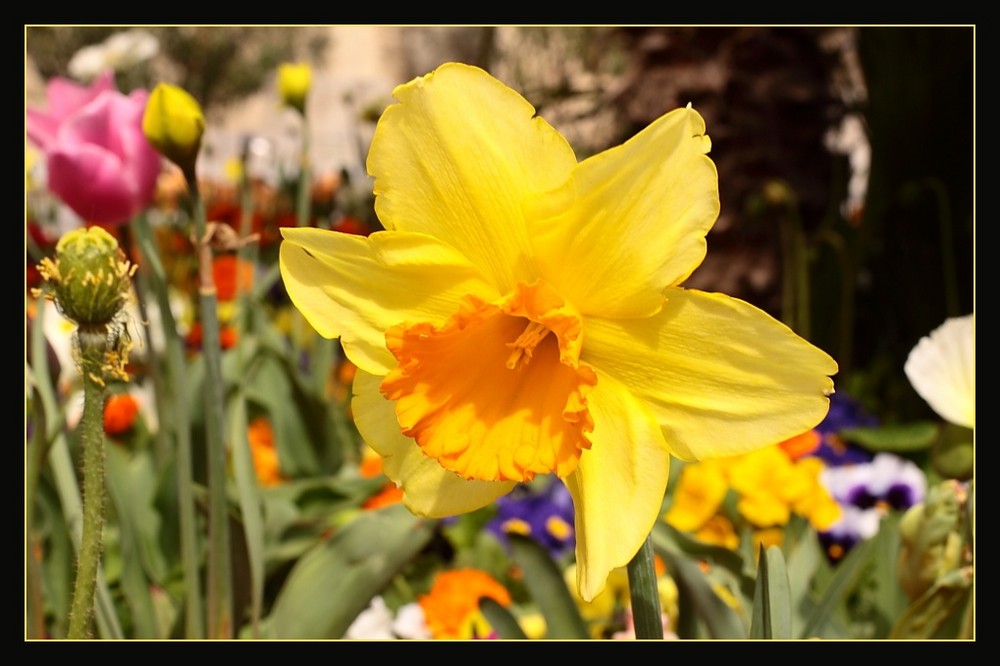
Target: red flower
120,412
232,276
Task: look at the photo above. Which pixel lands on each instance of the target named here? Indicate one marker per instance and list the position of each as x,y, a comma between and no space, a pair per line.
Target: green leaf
332,583
666,536
889,598
894,438
844,580
250,505
771,616
272,388
500,619
548,589
804,558
131,484
697,594
953,455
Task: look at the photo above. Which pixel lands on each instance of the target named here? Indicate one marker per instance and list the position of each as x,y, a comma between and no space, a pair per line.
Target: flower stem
646,614
93,346
302,220
180,421
220,621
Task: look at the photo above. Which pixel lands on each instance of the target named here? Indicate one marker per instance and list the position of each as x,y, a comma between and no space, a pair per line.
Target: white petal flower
942,369
410,622
374,623
119,52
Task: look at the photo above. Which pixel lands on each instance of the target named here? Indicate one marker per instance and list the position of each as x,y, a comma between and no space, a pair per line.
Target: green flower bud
174,124
931,535
89,278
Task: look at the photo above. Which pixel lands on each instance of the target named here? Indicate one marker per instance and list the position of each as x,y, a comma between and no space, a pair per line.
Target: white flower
410,622
942,369
855,523
374,623
120,51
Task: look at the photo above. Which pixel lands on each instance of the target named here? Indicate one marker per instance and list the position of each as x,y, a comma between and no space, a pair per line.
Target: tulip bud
294,81
174,124
90,277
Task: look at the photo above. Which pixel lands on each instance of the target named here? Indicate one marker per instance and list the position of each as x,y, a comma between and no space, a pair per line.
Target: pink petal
101,164
65,97
90,180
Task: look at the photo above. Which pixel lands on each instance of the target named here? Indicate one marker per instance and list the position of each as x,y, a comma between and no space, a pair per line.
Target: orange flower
227,336
371,463
231,276
120,412
801,445
389,495
265,456
451,608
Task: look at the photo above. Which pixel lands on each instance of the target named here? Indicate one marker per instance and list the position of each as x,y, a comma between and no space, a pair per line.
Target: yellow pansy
699,494
523,314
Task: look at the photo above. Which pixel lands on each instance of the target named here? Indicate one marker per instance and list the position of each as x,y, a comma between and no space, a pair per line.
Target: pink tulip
98,159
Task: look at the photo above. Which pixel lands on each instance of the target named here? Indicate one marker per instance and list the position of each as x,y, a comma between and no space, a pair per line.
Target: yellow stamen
524,346
517,526
558,528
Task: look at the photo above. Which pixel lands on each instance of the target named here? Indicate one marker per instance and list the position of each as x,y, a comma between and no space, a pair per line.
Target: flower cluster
770,486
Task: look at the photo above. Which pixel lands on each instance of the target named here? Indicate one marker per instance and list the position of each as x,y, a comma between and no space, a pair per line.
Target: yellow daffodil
174,124
294,81
522,314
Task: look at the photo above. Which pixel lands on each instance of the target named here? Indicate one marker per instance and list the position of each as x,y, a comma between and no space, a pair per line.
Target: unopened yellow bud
174,124
294,81
89,278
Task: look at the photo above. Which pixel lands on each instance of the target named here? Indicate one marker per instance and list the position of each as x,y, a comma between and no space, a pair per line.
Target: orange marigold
120,412
265,455
452,605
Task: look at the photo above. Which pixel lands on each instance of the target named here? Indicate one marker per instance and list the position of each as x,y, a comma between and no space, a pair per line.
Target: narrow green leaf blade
846,577
721,620
896,438
771,616
501,619
548,589
250,505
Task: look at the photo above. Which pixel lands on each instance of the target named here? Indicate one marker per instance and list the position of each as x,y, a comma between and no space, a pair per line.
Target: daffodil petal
428,489
635,219
618,486
721,376
942,370
444,168
355,288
